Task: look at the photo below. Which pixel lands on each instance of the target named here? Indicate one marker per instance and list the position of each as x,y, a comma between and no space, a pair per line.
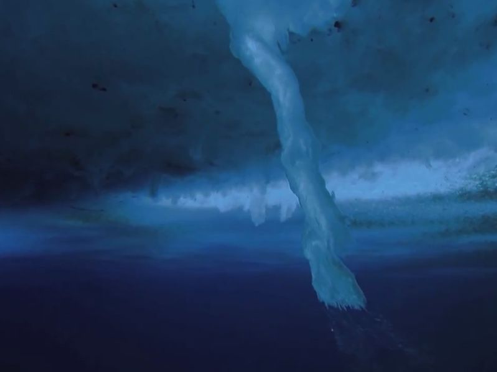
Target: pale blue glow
379,182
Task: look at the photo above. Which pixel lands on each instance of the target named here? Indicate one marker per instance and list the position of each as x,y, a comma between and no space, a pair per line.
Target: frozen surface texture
143,95
257,31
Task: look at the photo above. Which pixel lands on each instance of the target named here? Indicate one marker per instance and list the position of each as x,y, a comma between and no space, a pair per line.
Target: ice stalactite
258,48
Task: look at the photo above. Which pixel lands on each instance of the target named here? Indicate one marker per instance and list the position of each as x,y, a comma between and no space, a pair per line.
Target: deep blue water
89,311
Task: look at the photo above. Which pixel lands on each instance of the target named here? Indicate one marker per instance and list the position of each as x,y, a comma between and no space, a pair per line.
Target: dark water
96,312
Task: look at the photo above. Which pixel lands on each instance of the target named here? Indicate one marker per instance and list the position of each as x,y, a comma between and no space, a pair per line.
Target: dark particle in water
97,86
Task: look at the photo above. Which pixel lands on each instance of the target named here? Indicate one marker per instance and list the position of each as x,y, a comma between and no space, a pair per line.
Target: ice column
325,231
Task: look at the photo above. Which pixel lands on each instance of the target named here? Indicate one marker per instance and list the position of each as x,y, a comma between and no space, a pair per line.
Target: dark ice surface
220,309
